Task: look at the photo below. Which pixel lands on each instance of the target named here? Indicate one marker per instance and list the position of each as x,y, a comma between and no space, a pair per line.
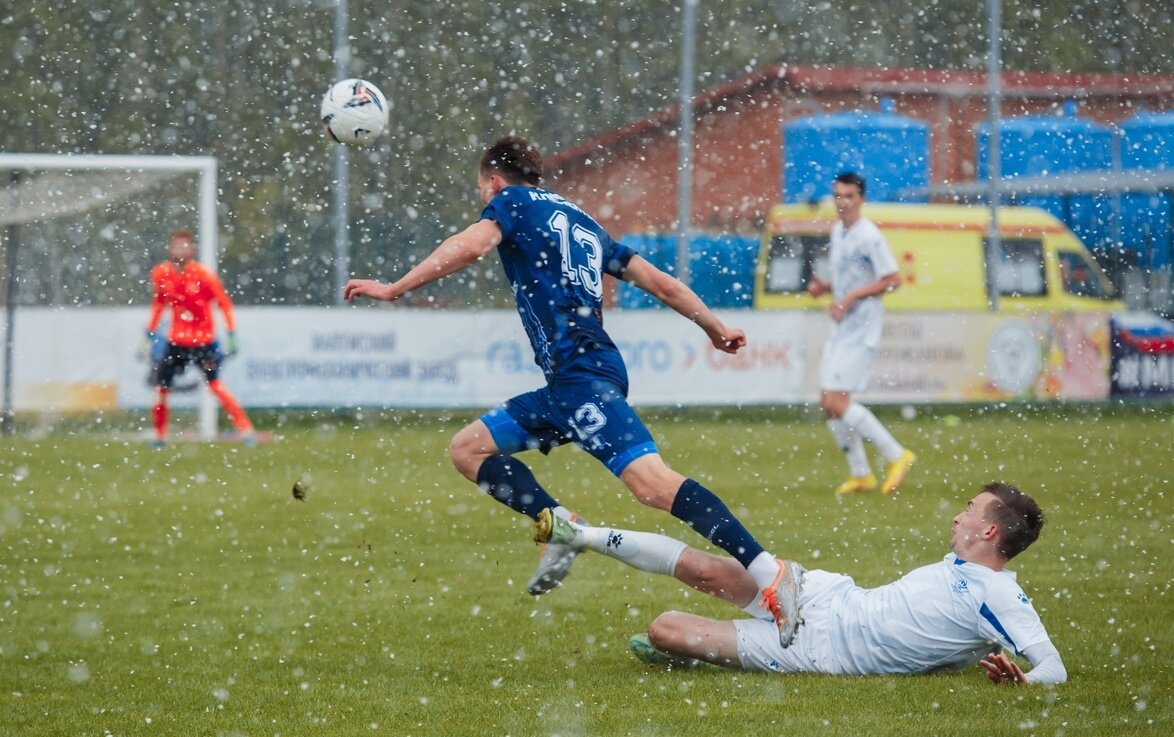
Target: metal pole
1116,232
340,211
8,415
994,255
209,250
685,140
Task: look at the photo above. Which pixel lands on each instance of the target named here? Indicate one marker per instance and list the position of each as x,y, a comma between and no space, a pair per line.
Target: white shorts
846,365
821,595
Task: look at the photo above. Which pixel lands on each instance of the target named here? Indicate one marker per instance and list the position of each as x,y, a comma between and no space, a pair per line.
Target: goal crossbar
204,166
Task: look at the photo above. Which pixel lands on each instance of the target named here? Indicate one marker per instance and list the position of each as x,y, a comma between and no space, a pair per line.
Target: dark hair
182,233
517,160
1017,516
851,177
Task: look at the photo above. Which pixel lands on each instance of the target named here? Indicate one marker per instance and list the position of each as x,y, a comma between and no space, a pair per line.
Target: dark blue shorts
588,410
176,359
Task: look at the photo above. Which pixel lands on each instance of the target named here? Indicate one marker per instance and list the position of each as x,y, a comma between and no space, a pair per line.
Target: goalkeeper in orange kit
189,289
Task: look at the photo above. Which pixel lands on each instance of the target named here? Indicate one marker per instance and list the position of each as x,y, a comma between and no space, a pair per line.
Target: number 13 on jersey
582,254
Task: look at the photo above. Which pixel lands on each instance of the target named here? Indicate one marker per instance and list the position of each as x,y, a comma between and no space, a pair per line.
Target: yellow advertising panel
986,357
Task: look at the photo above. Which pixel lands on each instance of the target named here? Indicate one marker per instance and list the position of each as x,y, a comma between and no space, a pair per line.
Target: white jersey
946,615
859,256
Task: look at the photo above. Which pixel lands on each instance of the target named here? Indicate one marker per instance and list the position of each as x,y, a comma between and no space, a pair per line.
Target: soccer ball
354,112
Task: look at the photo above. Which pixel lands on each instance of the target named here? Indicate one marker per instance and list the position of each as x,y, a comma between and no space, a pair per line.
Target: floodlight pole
994,254
685,139
340,211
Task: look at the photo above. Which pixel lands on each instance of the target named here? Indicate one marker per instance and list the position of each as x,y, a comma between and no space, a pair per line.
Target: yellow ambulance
940,250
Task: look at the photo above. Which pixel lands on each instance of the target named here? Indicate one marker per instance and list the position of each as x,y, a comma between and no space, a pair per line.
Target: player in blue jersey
555,256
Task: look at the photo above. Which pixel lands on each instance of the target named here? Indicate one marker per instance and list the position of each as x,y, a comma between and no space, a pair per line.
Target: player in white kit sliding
965,609
862,271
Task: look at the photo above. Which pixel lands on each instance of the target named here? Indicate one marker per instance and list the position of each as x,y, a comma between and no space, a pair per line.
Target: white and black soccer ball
354,112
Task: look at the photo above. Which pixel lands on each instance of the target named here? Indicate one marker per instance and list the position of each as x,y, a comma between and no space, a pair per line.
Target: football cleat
551,528
781,599
857,484
645,652
557,556
897,470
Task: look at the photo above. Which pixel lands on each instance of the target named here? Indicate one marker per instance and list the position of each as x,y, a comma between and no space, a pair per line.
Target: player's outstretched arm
1002,669
675,294
454,254
1047,667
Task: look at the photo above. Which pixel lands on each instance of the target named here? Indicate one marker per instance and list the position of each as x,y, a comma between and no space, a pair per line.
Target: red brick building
628,176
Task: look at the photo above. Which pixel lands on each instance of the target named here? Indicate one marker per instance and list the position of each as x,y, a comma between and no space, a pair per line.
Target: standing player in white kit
862,271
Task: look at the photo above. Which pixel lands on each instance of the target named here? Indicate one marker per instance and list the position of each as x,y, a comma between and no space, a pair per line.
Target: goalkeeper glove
230,345
146,345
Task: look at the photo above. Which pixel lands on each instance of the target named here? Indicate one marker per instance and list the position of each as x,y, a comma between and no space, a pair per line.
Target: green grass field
186,592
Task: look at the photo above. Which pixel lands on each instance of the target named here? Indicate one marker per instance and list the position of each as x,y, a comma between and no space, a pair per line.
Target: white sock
757,610
763,569
864,422
645,551
840,432
853,446
857,458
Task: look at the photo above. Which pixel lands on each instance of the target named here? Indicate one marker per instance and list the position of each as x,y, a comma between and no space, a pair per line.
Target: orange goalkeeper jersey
189,292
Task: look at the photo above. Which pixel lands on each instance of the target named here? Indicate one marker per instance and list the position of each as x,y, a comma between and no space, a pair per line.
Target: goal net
80,234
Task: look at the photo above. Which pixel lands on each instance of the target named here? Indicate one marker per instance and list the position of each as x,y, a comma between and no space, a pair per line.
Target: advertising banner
89,359
982,357
1142,356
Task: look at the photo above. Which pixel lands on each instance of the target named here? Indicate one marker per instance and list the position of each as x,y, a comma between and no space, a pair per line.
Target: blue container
721,268
1147,219
1045,145
890,151
658,249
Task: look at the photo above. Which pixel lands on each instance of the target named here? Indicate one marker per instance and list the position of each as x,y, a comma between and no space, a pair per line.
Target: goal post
45,186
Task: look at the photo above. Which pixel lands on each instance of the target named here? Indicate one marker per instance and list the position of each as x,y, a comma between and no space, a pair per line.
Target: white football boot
554,533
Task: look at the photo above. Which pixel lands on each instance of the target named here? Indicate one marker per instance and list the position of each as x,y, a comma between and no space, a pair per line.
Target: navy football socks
511,482
709,516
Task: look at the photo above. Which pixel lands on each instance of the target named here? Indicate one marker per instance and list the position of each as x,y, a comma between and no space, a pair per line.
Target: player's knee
462,459
468,449
664,631
653,497
674,632
833,405
653,492
652,482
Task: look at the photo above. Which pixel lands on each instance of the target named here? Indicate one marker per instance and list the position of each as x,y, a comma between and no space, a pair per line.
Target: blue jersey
555,256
